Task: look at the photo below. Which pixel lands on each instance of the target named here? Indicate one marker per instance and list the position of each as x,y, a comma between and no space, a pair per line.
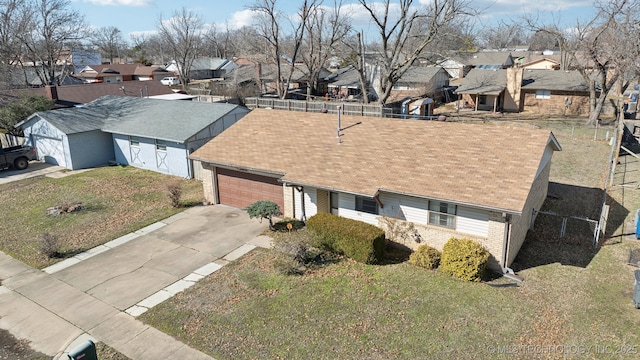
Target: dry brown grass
116,200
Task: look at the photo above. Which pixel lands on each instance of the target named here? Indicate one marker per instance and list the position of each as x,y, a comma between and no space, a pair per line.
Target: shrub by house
464,259
425,256
357,240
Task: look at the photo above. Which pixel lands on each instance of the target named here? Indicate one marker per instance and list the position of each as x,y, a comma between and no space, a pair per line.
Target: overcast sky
132,16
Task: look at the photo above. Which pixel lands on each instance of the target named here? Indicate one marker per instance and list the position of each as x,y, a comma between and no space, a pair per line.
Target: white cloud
136,3
239,19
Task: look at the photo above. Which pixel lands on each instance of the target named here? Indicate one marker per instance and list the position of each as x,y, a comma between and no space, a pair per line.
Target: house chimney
51,92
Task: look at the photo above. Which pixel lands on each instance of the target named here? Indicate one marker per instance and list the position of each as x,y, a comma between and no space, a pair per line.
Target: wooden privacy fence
330,107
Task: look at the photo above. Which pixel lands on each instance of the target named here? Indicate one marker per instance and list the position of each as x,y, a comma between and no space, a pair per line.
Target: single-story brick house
554,92
517,89
448,179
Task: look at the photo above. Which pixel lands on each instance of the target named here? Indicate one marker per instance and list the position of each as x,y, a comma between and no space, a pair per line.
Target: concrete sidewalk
97,294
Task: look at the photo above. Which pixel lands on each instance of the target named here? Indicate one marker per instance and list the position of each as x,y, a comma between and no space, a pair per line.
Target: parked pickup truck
17,156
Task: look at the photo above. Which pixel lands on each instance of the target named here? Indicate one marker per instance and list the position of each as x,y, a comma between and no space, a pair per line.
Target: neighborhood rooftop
487,166
484,81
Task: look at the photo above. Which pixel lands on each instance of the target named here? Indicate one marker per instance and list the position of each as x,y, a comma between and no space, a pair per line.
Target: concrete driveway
127,274
36,168
98,293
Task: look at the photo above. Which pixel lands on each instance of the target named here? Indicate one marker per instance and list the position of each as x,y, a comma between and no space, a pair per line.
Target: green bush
464,259
425,256
264,209
357,240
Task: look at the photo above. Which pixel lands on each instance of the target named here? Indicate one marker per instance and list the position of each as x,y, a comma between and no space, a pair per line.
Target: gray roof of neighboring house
486,58
420,74
553,80
347,76
208,64
160,119
481,81
241,74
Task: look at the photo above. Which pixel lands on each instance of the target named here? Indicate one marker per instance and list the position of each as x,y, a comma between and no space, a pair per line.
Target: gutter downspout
506,271
304,211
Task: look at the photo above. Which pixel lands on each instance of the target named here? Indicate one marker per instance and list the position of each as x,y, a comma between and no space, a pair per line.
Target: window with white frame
161,145
543,94
134,141
442,214
368,205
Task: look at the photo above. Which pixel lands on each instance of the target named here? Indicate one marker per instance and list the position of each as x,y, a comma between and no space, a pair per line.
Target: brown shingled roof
483,165
82,94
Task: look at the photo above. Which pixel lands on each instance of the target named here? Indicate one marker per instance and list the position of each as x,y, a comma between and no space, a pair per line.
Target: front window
442,214
161,145
134,141
543,94
367,205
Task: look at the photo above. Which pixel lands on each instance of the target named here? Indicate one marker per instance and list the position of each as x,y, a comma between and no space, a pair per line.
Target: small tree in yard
174,191
50,245
264,209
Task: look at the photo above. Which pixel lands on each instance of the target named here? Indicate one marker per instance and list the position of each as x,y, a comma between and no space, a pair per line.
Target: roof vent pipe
339,126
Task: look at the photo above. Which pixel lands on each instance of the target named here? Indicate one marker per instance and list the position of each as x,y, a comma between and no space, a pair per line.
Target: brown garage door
240,189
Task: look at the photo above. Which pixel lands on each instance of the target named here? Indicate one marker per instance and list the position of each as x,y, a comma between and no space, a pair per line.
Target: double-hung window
442,214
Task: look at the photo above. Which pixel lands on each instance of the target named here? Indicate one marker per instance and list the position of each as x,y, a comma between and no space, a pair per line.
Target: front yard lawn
116,200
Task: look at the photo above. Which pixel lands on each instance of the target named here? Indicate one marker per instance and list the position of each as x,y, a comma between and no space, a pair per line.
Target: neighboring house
517,89
116,73
542,63
156,135
420,81
205,68
483,89
241,81
554,92
268,76
345,81
448,179
455,68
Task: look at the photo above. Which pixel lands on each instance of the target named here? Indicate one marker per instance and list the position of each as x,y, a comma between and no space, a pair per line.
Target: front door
333,202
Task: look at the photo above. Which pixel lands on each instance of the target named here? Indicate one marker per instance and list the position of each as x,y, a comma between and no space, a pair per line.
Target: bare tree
396,53
324,29
269,21
54,27
183,35
502,36
15,18
540,41
140,49
354,47
605,49
109,41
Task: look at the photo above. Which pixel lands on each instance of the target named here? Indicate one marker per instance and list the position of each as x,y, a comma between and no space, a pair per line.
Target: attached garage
240,189
50,150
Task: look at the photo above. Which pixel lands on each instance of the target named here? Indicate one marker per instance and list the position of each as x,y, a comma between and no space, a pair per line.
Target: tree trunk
594,115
